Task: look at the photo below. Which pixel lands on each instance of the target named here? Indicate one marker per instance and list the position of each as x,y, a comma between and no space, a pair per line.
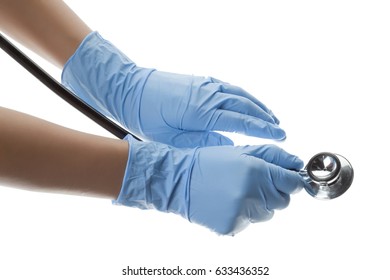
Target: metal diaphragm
328,175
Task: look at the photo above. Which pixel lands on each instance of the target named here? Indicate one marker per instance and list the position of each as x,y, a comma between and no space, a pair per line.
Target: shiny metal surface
328,175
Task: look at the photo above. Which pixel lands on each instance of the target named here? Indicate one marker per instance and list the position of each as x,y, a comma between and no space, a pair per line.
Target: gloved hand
224,188
180,110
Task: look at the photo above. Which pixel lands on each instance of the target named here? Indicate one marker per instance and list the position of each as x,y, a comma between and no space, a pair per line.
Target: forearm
41,156
48,27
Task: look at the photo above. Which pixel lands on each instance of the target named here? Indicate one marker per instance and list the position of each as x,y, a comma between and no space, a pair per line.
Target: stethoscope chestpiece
327,175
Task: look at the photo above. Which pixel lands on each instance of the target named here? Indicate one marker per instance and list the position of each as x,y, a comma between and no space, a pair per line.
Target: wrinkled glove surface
223,188
179,110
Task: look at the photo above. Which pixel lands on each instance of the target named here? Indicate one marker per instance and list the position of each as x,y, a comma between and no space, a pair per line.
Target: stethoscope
328,175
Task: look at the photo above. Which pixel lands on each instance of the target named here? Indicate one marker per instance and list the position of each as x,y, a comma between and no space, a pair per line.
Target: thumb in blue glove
179,110
223,188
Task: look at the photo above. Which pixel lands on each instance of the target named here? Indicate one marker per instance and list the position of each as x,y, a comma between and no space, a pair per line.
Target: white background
323,67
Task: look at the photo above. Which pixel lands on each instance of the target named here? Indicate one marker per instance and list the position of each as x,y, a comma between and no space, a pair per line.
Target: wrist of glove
223,188
156,177
179,110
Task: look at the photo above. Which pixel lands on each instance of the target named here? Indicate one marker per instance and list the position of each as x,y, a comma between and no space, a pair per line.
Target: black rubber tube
62,91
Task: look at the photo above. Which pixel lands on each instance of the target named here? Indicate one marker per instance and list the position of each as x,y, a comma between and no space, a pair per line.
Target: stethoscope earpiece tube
61,91
327,175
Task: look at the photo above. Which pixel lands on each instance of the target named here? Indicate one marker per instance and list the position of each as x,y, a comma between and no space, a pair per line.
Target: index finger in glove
285,181
275,155
235,90
235,122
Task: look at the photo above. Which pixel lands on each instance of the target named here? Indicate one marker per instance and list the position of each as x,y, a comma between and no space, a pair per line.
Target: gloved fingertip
282,139
298,163
276,120
277,133
295,163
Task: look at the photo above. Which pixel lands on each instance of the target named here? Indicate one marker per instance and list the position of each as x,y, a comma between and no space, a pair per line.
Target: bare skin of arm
35,154
48,27
40,156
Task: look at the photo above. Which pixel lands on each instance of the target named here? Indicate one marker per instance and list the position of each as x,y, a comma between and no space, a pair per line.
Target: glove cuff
104,77
157,176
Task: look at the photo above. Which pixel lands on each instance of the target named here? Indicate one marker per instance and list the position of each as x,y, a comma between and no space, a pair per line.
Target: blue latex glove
224,188
180,110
